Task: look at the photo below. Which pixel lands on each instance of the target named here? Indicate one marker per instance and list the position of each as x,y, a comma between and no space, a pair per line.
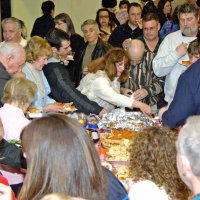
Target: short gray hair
11,48
188,8
188,143
89,22
17,22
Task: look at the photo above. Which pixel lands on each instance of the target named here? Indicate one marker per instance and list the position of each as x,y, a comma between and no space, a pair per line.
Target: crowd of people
143,56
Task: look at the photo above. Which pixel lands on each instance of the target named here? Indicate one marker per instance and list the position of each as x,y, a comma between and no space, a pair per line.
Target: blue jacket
186,101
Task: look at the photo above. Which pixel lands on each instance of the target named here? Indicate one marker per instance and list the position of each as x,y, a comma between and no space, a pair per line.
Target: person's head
153,157
188,19
57,196
48,7
124,4
12,57
188,155
110,4
136,51
64,22
59,41
115,63
134,13
194,51
164,6
90,31
60,142
38,50
12,29
150,26
19,92
103,17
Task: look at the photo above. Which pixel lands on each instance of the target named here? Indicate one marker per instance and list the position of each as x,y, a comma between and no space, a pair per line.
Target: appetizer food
33,110
66,108
186,62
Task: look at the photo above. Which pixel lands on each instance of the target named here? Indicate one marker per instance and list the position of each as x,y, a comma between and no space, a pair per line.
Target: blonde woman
17,97
38,51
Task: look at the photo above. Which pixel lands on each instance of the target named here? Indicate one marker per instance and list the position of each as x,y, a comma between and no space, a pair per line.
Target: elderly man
173,49
62,89
12,59
94,47
129,29
188,155
142,82
12,31
150,37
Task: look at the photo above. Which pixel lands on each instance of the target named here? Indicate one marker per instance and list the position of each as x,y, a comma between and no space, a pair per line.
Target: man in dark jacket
62,89
94,48
43,24
129,29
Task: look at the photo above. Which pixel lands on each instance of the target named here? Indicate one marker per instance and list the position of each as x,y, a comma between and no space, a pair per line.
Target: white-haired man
12,31
188,155
12,59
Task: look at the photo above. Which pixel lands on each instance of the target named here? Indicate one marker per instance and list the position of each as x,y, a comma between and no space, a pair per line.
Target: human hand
103,112
139,22
5,192
140,94
126,43
181,49
85,70
125,91
161,111
146,109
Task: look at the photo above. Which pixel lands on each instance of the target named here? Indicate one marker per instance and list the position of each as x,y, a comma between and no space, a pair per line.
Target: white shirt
167,62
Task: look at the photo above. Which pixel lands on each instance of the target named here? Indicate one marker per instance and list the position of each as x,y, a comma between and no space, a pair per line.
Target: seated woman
106,25
17,97
188,155
153,166
64,145
37,52
102,84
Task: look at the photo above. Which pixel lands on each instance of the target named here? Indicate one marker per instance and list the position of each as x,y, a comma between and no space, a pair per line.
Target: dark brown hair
153,157
62,159
108,61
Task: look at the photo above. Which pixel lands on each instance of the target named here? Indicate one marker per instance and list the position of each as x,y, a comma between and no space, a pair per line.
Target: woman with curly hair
153,166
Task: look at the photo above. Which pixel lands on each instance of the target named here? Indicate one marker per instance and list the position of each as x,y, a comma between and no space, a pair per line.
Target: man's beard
189,31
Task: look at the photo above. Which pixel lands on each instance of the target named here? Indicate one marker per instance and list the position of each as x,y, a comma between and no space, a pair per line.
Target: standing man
62,89
12,59
44,23
12,31
94,47
142,83
150,37
129,29
173,49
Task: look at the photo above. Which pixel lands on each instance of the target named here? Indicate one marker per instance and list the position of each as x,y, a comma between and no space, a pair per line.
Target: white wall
79,10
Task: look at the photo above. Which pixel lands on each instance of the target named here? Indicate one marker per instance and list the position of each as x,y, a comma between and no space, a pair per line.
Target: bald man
142,82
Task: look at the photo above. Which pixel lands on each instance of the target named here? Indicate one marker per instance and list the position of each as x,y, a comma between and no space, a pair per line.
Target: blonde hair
19,90
58,196
37,47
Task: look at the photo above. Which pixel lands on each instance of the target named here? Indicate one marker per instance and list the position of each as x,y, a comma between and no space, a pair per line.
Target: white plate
35,115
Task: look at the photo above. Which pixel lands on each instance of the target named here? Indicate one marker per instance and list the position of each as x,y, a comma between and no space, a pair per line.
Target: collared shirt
142,76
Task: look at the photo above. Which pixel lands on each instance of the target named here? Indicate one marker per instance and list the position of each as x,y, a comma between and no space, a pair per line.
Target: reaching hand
103,112
127,92
146,109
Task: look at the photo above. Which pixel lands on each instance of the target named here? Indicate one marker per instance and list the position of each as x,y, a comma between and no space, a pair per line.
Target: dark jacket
186,100
42,25
123,32
4,77
100,49
63,90
77,43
